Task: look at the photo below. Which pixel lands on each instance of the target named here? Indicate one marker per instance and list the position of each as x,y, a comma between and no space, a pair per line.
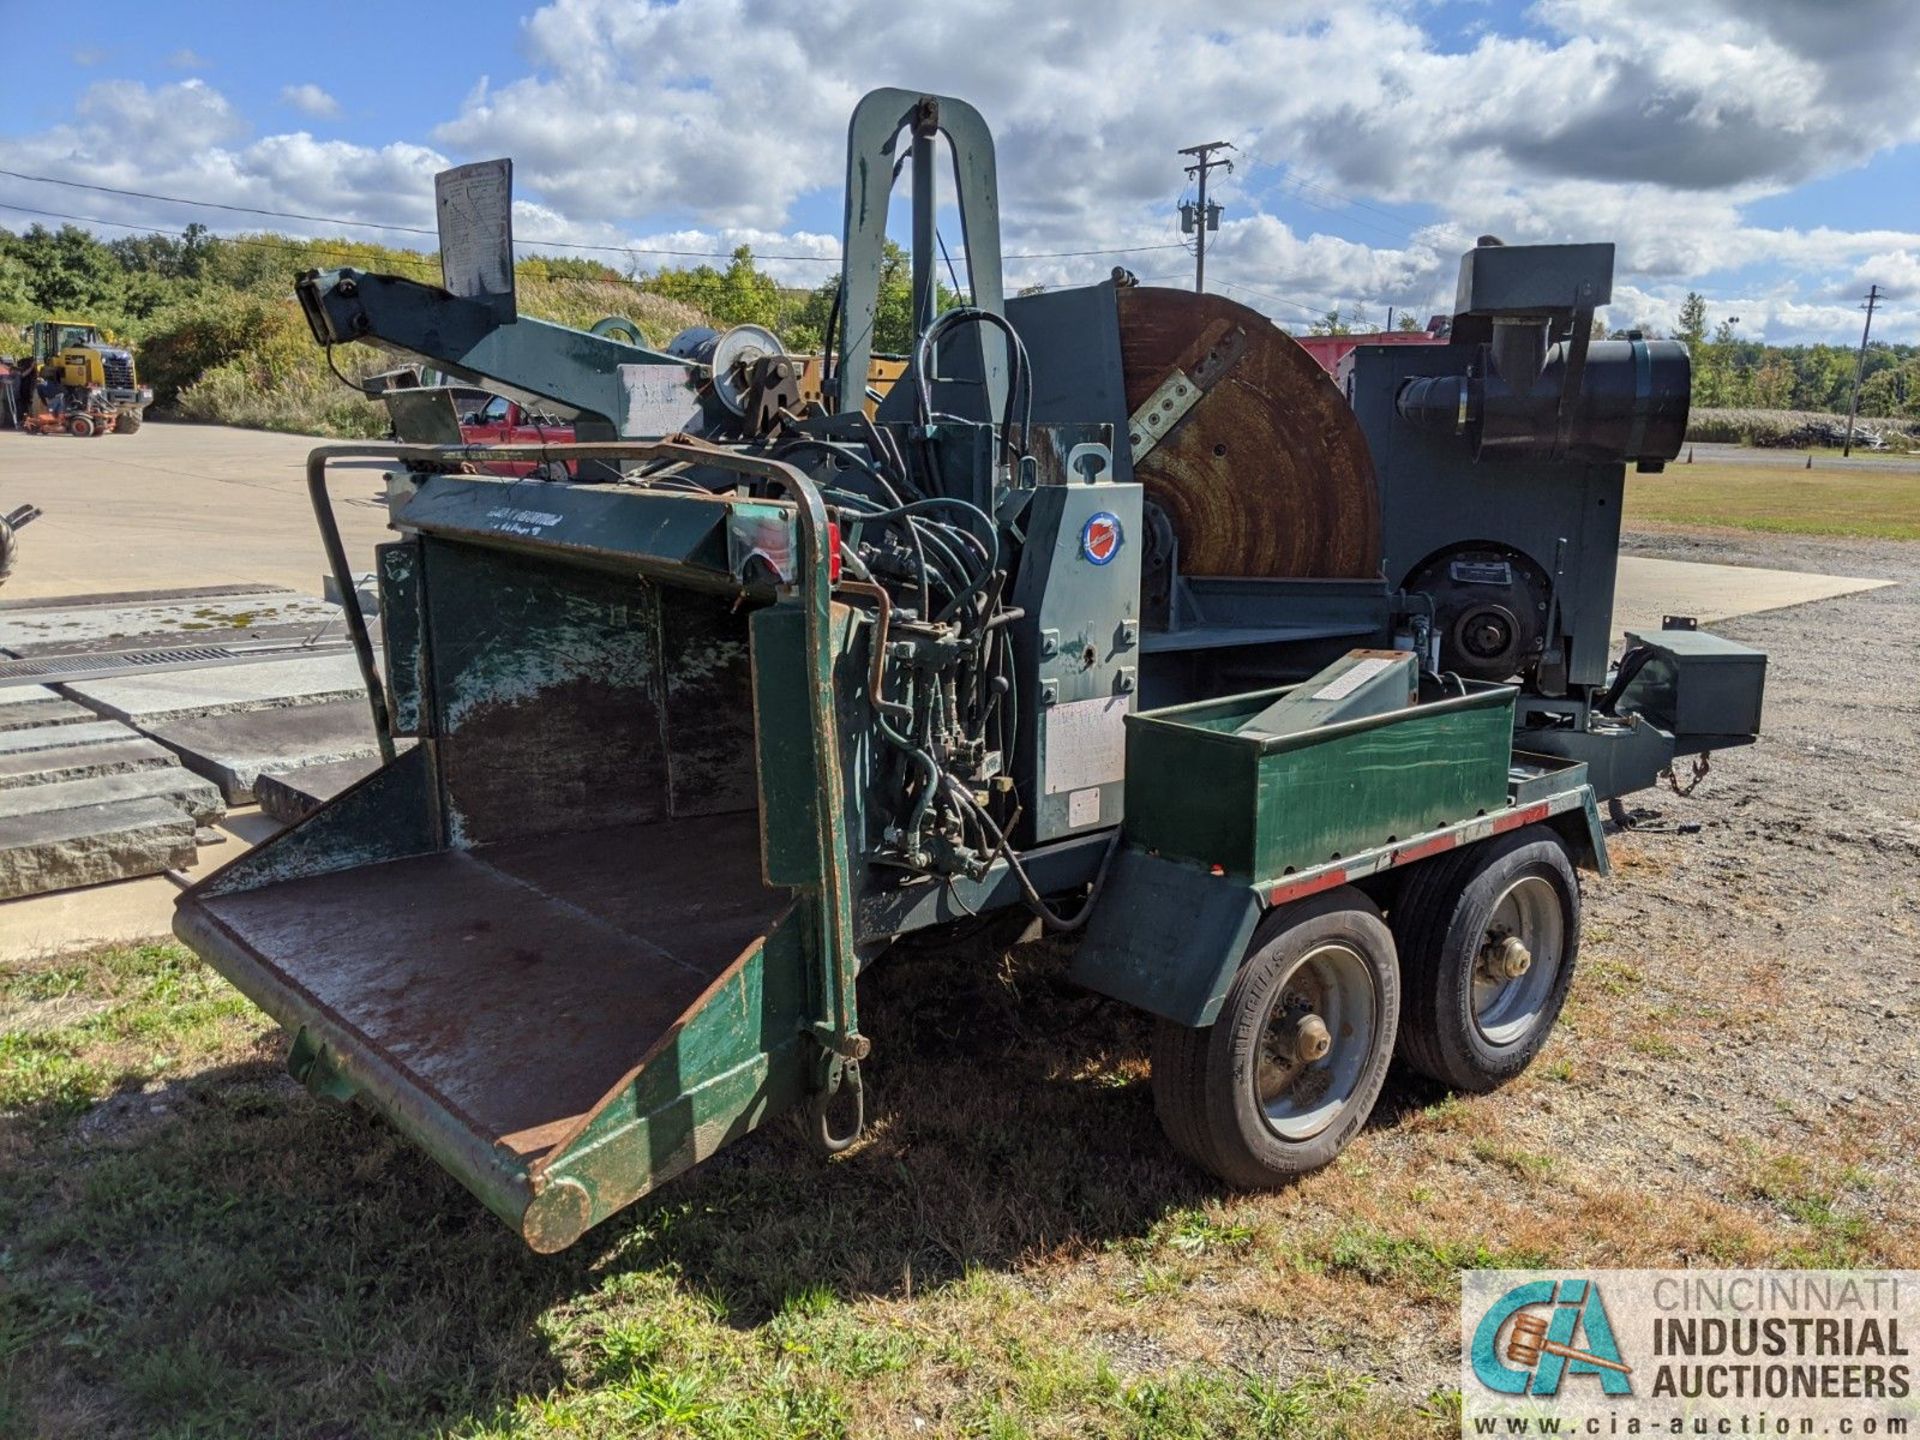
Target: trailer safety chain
1701,765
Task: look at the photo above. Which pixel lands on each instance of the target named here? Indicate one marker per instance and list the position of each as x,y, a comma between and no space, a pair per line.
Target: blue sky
1759,152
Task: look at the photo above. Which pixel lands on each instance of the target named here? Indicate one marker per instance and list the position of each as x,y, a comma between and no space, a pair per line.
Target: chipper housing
553,940
1294,706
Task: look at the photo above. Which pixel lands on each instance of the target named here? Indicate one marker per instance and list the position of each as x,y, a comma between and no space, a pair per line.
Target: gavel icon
1527,1342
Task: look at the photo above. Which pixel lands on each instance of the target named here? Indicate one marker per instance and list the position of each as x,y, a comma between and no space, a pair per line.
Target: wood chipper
1296,705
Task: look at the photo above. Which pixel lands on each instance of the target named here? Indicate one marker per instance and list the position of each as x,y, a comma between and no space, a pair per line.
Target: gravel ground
1773,916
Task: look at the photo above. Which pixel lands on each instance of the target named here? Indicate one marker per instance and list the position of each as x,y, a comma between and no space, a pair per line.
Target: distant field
1884,504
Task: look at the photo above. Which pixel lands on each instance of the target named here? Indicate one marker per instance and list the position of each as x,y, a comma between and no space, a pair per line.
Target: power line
214,204
1300,305
383,225
255,242
549,244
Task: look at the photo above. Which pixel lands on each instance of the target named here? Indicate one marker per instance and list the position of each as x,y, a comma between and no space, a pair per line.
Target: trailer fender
1580,829
1167,937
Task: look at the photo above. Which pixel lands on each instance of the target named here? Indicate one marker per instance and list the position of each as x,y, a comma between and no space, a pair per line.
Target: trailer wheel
1488,937
1289,1071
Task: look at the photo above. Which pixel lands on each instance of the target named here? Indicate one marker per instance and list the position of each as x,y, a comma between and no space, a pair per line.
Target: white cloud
1602,119
1608,121
184,59
310,99
194,144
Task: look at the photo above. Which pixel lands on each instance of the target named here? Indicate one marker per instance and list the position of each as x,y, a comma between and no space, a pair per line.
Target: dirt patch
39,1017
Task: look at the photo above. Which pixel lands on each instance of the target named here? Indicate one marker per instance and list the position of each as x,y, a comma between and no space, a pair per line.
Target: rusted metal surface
517,984
707,703
1267,473
546,679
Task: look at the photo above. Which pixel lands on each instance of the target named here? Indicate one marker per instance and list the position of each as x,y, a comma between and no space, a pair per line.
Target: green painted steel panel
735,1060
789,824
1167,937
1260,807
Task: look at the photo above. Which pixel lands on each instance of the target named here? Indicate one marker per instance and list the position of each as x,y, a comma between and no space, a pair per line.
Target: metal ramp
514,986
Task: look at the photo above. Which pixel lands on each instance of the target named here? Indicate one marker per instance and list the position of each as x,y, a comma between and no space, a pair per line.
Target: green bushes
246,358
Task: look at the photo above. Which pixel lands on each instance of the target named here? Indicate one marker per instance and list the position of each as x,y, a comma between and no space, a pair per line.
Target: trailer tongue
700,725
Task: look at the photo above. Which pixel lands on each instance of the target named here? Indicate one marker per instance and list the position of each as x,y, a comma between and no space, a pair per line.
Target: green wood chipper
1294,701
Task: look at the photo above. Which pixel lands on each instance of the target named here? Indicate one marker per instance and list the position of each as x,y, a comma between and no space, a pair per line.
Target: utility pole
1859,366
1198,219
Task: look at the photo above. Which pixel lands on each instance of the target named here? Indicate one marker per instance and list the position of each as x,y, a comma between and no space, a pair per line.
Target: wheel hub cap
1519,959
1319,1038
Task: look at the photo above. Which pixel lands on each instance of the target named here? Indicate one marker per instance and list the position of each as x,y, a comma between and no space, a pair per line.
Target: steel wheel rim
1506,1009
1299,1098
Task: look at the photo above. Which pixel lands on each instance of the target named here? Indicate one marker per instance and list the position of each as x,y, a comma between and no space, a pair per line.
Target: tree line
205,301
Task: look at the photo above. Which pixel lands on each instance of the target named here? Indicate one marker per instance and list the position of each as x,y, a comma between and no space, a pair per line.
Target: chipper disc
1268,473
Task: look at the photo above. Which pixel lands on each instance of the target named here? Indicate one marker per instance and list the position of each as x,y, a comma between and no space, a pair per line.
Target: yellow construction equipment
83,375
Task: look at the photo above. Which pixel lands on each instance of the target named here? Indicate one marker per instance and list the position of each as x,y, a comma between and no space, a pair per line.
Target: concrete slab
89,845
138,622
291,795
1647,588
23,694
179,787
26,714
78,762
132,910
61,737
232,750
14,604
145,700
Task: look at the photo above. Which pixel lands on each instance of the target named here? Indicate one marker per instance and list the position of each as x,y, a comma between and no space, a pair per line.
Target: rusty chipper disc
1268,474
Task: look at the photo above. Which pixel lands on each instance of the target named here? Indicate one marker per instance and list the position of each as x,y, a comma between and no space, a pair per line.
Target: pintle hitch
840,1057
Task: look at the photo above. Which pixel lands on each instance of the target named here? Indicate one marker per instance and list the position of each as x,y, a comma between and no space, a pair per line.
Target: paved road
1714,454
176,505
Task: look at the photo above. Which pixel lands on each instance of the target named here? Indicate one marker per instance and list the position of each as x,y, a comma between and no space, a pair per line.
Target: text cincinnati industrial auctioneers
1645,1352
1743,1337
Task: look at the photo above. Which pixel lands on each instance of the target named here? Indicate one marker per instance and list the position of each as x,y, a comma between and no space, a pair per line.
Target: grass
1875,503
1013,1252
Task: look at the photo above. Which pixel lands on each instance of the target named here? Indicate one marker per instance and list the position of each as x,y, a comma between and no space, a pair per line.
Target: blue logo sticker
1101,537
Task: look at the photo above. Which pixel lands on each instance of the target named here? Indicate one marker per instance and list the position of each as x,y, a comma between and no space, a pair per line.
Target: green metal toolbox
1262,806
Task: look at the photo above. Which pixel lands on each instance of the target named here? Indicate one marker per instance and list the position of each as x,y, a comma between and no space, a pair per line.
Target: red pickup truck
487,419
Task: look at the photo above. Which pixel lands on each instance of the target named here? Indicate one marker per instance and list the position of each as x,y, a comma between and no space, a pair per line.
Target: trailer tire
1463,1026
1232,1099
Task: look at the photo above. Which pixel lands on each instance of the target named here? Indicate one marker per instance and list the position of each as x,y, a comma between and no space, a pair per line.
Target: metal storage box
1260,806
1695,683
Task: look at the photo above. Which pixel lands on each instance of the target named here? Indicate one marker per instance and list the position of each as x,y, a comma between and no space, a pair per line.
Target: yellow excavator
97,389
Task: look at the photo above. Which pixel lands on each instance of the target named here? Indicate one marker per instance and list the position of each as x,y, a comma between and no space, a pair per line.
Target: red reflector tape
1407,854
1515,819
1311,885
833,551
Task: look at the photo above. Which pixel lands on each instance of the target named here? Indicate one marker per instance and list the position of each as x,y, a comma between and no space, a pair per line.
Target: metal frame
871,139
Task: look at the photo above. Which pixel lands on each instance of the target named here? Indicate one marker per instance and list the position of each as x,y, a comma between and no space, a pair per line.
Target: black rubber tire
1439,924
1203,1088
130,421
82,427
